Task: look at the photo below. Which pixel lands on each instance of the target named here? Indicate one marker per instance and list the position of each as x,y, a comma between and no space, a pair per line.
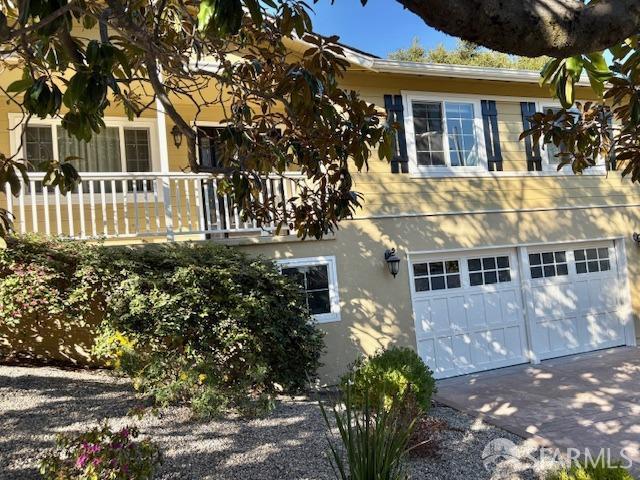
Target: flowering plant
101,453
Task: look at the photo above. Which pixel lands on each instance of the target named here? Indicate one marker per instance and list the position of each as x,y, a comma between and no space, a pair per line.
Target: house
503,258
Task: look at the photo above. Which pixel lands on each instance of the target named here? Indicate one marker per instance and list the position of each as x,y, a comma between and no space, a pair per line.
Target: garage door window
489,270
548,264
436,275
592,260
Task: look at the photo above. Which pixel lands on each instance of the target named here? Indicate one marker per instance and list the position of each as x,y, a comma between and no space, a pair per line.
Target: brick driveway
583,401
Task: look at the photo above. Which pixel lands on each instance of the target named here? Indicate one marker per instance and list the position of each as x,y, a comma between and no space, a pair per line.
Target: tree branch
558,28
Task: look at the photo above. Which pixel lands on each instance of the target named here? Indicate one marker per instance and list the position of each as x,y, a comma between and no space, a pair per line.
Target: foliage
231,55
591,471
373,442
199,324
466,53
48,279
207,325
389,375
101,453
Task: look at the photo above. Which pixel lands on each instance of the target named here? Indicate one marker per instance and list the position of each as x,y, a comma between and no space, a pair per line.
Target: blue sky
379,27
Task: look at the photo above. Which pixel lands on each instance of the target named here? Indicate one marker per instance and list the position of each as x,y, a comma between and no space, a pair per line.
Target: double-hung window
318,282
444,134
120,146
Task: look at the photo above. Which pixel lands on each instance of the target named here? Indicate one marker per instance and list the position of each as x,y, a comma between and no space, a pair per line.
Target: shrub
591,471
199,324
388,375
51,298
372,442
101,453
207,325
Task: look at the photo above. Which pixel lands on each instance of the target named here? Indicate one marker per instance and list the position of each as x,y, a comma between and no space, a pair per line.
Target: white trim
516,245
15,130
458,71
623,278
408,98
549,169
334,298
491,211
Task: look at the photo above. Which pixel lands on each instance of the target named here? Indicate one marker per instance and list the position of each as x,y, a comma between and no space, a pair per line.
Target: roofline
382,65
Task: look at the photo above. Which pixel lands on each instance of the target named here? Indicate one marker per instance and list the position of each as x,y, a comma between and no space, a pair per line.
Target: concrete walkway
583,401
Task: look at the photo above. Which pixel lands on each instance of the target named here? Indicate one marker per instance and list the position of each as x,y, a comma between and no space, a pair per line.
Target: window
548,264
317,279
445,133
592,260
121,146
436,275
552,151
488,270
208,146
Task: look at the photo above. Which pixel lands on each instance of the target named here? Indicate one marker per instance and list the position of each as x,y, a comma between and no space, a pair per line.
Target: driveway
584,401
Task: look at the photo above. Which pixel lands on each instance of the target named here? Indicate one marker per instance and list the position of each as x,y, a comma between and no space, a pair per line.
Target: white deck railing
137,205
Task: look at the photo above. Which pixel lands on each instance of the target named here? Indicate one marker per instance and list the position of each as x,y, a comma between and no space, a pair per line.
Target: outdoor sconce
636,238
177,136
393,261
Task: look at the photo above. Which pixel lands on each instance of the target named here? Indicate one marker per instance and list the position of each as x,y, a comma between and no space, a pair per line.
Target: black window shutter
395,114
491,134
613,164
534,158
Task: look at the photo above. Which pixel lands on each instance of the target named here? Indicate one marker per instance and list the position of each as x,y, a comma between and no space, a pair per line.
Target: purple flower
81,461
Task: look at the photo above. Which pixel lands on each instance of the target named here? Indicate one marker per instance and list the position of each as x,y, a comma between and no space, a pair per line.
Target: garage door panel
554,301
580,312
467,322
422,312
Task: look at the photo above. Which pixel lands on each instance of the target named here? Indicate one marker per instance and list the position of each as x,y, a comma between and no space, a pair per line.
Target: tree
532,28
282,111
466,53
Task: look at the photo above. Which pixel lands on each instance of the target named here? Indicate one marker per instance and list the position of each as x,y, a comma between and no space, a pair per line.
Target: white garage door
468,311
575,303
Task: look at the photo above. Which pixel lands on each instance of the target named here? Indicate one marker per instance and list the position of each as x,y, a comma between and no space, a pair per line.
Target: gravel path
37,403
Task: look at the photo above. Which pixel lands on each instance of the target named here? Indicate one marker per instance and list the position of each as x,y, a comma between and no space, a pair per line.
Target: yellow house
503,259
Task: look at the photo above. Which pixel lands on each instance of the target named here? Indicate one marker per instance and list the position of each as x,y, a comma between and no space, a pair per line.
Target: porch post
164,167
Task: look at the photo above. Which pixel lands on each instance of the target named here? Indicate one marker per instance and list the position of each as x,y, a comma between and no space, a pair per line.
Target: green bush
388,375
591,471
207,325
101,453
372,443
199,324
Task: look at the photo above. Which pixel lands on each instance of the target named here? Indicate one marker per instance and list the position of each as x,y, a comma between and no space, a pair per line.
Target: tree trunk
558,28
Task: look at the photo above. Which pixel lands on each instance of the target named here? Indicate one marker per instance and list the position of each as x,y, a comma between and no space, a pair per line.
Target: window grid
442,275
314,283
137,149
548,264
489,270
590,260
38,144
444,133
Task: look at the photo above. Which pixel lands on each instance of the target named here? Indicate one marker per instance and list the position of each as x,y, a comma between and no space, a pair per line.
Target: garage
468,311
485,309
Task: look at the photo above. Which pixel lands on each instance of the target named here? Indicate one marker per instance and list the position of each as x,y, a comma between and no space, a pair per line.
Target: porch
149,206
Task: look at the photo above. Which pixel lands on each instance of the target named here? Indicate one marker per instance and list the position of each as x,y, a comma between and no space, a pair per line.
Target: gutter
456,71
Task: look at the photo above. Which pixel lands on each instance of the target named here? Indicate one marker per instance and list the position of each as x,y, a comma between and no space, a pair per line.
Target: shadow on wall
49,341
376,308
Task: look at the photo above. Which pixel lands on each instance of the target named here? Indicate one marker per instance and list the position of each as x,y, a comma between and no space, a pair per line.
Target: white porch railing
137,205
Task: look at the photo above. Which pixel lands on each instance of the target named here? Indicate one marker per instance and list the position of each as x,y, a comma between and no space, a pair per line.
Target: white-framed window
436,275
549,151
444,133
121,146
317,278
489,270
591,260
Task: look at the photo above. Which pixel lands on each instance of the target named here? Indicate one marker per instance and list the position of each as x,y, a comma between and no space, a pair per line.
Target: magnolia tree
283,111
